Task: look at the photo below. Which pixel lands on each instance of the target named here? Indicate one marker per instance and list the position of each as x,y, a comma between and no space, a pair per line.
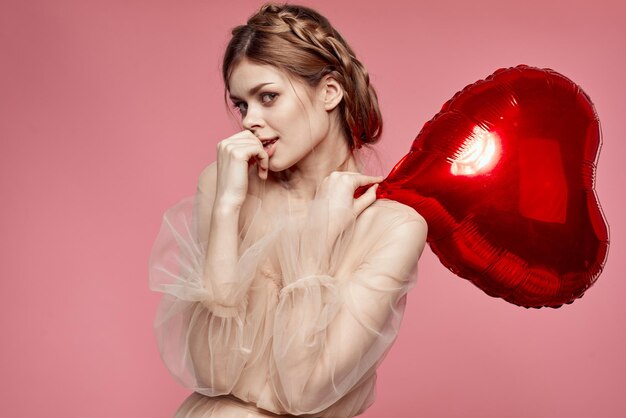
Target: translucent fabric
301,335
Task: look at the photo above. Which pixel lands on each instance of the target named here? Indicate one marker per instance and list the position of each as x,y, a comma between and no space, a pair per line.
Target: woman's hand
339,188
234,156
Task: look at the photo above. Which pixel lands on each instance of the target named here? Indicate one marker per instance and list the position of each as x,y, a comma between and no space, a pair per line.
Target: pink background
109,110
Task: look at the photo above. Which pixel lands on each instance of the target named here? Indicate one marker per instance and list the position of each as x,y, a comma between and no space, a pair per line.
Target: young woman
283,293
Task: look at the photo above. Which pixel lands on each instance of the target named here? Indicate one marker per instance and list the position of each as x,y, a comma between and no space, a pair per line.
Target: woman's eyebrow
252,91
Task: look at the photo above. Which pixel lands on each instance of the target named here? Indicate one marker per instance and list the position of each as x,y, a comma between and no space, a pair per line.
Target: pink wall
110,109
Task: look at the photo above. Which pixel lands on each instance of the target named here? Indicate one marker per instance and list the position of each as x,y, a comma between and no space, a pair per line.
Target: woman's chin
280,171
275,166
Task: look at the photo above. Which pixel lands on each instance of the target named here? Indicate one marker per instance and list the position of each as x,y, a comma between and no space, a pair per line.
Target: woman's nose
252,118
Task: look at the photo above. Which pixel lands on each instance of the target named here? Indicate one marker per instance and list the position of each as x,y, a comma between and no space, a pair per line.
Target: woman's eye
268,97
240,107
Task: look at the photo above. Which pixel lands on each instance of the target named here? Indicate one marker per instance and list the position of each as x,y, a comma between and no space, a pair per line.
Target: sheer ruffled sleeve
204,344
341,306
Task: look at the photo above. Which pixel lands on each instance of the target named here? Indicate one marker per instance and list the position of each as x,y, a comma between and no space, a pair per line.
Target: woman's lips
269,145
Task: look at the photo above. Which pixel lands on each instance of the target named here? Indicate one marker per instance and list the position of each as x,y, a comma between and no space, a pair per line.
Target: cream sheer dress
305,336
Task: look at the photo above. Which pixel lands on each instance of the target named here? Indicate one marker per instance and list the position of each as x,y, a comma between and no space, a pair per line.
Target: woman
283,293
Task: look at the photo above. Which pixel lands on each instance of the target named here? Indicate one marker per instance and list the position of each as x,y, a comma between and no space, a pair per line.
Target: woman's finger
356,179
263,162
363,180
365,200
245,134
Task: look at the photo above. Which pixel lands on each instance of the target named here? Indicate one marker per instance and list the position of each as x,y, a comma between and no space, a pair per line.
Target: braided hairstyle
304,43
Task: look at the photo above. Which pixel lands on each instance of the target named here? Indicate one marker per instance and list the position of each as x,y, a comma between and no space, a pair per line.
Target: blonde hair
302,42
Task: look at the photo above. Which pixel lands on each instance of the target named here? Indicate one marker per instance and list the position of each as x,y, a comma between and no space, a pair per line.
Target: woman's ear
332,92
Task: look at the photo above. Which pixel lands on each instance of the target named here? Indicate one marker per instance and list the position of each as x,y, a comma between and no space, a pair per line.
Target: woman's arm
333,324
219,275
205,328
224,187
205,342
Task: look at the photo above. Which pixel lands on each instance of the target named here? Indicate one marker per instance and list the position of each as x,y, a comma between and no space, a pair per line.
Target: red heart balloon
504,176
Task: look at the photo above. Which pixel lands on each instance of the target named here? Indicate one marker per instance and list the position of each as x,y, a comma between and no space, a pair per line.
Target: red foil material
504,176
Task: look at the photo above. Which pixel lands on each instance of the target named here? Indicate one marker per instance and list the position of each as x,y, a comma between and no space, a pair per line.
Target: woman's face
275,106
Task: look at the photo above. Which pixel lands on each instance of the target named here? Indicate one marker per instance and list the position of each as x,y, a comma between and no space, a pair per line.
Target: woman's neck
301,180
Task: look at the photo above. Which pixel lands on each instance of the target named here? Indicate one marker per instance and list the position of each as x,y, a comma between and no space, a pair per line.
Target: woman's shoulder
386,210
395,221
